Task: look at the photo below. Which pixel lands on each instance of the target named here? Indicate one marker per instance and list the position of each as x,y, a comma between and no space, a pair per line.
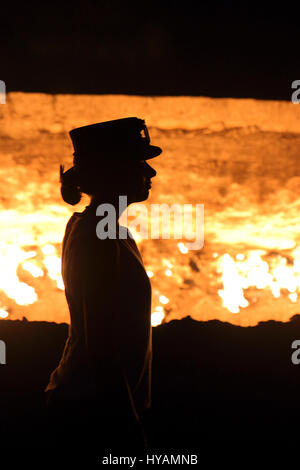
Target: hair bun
69,187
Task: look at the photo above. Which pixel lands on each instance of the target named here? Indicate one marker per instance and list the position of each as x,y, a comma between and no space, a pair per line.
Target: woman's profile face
134,180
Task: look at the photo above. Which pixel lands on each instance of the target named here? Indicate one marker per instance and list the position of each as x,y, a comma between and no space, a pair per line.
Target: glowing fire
157,316
240,276
252,271
240,160
11,258
52,263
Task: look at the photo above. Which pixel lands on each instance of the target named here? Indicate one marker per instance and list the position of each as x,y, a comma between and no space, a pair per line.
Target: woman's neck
119,203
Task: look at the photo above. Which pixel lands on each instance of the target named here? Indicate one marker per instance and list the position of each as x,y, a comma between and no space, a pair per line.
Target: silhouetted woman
101,386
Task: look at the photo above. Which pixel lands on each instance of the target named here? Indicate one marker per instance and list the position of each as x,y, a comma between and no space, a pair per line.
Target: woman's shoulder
81,234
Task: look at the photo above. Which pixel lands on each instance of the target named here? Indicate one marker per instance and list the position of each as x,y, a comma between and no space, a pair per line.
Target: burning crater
240,158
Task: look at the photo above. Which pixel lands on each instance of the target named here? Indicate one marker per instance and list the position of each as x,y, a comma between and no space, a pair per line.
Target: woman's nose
150,172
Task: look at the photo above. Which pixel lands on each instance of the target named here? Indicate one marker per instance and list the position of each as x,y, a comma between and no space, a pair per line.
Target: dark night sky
217,49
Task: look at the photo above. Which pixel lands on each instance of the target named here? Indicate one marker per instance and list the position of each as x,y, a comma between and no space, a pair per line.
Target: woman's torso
133,326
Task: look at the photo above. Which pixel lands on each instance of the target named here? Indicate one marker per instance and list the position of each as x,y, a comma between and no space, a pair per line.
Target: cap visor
152,152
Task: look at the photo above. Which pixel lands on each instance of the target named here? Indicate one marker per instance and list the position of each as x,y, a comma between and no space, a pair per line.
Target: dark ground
212,382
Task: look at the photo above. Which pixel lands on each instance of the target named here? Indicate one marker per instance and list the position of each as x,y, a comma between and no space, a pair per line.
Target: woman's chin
140,196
